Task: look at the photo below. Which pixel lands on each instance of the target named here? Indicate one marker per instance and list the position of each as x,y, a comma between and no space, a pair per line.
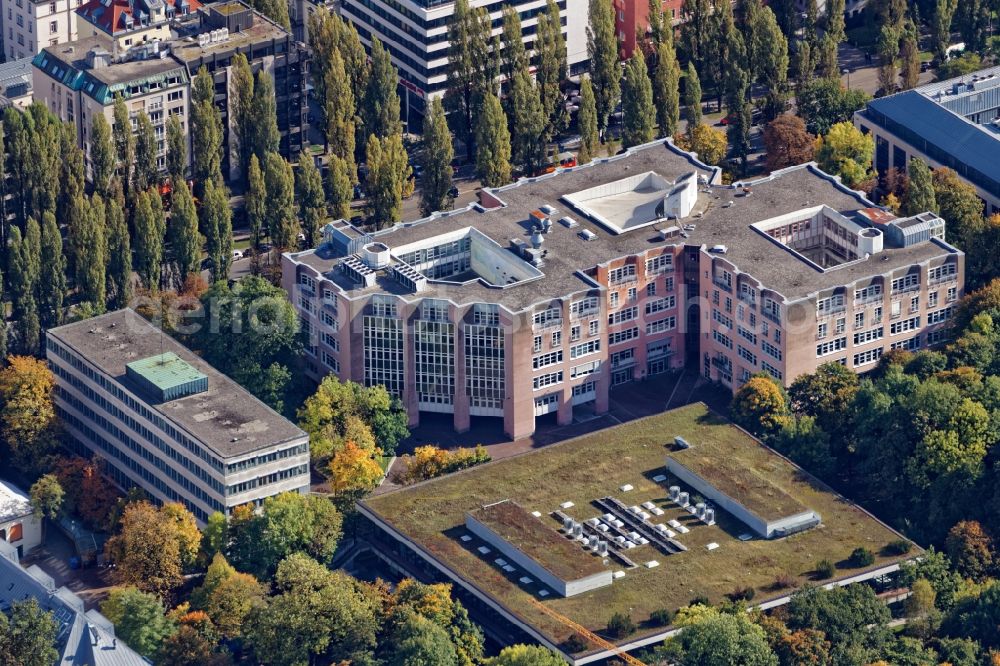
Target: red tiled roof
109,15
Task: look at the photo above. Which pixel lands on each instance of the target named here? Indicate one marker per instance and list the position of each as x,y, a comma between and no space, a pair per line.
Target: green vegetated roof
596,465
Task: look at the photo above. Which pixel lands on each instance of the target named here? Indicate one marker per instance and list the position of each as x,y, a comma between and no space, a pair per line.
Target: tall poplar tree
282,224
493,144
149,235
551,70
513,55
102,155
90,242
388,171
147,173
666,88
24,262
255,205
216,219
206,131
435,181
602,47
470,70
52,279
72,173
341,121
119,272
692,98
527,124
311,198
241,103
586,120
176,149
124,143
182,232
380,107
264,117
920,196
772,63
637,103
341,188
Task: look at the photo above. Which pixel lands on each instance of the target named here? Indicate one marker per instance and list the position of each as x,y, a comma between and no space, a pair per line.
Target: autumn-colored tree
228,596
847,152
27,413
88,492
971,550
188,535
710,143
787,142
760,405
188,647
147,551
353,470
805,647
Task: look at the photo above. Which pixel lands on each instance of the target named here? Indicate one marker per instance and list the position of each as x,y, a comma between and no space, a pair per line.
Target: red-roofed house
127,23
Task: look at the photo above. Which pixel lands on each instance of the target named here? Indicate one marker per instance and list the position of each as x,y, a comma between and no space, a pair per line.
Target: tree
24,259
637,103
853,618
470,70
52,277
513,56
435,181
276,10
740,110
692,99
920,193
760,405
149,233
146,170
493,151
805,646
146,551
124,143
119,271
388,175
709,143
102,155
27,414
341,121
847,152
88,239
971,550
189,647
526,655
725,640
256,202
380,106
551,71
206,131
264,117
282,223
421,641
257,333
47,497
822,103
944,12
311,198
787,142
341,412
176,149
316,613
341,189
602,49
888,53
241,109
586,121
353,471
666,87
976,617
973,20
139,618
772,62
228,596
182,234
28,636
527,124
216,221
910,56
958,203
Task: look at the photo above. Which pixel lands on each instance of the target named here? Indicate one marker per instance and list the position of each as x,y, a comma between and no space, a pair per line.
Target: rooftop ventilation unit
587,235
681,443
869,241
719,249
670,232
375,256
537,239
569,223
548,210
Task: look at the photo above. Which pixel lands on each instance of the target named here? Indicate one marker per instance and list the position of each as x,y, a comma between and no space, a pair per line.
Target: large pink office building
555,290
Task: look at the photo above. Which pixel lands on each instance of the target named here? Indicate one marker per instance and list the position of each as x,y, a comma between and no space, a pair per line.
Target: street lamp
847,71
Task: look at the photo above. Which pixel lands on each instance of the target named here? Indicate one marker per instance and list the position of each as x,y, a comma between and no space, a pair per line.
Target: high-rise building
554,290
166,421
632,19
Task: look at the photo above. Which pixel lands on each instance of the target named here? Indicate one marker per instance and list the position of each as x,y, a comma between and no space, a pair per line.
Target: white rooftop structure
14,503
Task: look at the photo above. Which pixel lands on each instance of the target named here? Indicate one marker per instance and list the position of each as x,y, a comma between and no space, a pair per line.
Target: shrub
429,461
861,557
742,594
575,643
660,617
783,582
824,569
620,625
898,547
700,600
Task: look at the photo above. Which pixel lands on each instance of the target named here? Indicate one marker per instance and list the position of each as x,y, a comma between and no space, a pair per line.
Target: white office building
31,25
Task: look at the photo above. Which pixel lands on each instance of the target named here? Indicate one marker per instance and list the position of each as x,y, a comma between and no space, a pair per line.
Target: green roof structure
167,376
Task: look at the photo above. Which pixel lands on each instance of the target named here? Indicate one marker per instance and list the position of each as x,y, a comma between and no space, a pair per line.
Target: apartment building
166,421
416,34
80,80
151,66
953,123
632,19
31,25
555,290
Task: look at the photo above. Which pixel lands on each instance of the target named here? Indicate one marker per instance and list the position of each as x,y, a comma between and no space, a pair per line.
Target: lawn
596,465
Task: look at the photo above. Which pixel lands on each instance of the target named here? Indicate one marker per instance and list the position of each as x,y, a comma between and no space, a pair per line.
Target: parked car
237,255
453,192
